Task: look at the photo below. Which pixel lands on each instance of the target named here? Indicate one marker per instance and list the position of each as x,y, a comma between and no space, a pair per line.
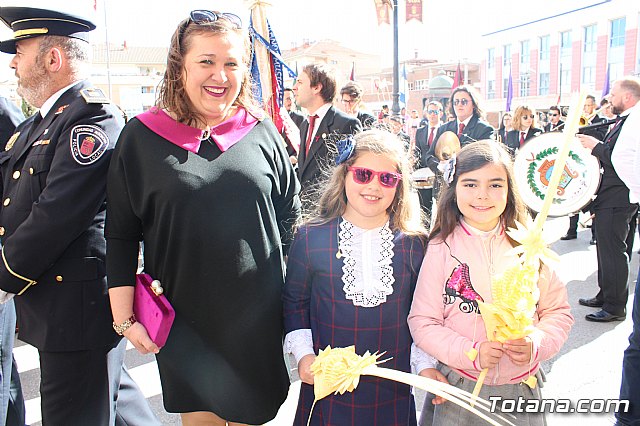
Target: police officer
52,210
11,400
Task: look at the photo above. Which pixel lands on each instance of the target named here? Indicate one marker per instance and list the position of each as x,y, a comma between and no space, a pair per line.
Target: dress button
59,278
1,231
30,170
6,201
16,174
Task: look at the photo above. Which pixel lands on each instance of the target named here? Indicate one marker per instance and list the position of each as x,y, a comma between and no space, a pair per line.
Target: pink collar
225,134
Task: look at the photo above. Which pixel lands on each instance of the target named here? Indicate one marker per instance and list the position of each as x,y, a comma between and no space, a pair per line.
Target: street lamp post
395,106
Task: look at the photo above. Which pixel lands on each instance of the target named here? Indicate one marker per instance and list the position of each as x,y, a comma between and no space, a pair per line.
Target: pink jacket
444,319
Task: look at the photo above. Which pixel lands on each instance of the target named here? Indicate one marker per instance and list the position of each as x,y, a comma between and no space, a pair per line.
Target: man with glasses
555,123
351,99
54,172
425,138
469,124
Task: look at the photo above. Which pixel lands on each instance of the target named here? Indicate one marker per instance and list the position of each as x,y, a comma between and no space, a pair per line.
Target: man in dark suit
53,178
289,104
468,125
613,212
425,137
12,410
599,132
314,90
555,123
10,117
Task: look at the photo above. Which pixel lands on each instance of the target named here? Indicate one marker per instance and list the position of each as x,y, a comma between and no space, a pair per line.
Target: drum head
578,184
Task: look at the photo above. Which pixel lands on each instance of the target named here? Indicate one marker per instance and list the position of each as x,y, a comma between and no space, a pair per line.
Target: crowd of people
265,239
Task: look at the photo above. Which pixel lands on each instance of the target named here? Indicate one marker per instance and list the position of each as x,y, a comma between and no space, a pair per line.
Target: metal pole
395,106
106,36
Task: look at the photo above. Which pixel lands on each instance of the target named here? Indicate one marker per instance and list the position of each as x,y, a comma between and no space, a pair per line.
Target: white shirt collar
48,104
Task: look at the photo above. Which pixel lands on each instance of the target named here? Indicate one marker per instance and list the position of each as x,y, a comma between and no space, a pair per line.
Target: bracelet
121,328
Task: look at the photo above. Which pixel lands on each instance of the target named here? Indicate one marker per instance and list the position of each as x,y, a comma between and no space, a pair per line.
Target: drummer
425,138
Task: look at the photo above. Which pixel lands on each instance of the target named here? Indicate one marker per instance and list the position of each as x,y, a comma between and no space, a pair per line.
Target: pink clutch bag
152,309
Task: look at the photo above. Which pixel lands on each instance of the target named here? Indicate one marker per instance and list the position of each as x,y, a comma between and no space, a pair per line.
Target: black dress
212,223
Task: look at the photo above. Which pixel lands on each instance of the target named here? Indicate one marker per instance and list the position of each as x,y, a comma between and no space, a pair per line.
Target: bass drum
578,184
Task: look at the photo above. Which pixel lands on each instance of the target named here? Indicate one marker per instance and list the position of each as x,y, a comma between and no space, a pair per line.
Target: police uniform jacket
53,185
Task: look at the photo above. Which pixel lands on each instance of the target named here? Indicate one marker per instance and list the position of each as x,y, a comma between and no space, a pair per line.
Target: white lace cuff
421,360
299,343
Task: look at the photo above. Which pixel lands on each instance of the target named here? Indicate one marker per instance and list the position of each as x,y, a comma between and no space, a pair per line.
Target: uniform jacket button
6,201
16,174
59,278
1,231
30,170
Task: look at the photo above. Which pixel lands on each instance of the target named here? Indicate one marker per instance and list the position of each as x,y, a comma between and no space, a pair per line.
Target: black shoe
593,242
592,303
604,316
568,237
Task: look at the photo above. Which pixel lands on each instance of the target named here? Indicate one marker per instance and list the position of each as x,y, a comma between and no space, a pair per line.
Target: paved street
588,366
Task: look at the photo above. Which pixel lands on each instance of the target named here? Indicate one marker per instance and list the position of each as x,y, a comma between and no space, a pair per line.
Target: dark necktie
312,122
460,129
615,127
431,135
521,139
35,123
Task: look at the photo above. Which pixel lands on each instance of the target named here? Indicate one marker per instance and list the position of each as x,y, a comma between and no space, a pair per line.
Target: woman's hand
304,369
519,351
139,337
432,373
489,354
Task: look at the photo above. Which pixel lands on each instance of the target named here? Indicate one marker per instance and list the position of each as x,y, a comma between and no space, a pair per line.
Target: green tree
27,109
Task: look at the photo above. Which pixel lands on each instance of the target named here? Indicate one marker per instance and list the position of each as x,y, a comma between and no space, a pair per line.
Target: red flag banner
382,11
414,10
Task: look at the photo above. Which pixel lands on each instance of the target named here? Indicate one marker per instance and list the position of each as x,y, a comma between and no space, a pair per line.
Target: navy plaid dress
314,299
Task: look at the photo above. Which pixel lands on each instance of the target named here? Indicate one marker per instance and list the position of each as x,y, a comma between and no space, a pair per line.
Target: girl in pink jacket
468,246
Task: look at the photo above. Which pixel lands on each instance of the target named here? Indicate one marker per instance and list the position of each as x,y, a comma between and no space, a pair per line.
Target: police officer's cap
29,22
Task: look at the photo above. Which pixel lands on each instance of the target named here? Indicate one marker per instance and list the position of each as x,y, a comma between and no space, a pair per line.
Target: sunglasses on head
464,102
362,176
203,17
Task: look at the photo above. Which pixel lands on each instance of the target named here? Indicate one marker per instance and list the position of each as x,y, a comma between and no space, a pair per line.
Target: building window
565,79
617,32
524,52
506,55
543,86
590,38
505,87
491,89
491,58
588,75
524,84
544,48
148,89
565,43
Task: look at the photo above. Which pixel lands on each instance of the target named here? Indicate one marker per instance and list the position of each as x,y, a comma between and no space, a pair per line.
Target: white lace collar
367,270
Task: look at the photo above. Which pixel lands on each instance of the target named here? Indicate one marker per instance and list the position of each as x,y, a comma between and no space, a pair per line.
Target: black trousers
573,226
91,388
615,242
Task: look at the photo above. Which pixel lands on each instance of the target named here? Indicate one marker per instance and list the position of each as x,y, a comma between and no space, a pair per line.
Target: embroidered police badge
88,144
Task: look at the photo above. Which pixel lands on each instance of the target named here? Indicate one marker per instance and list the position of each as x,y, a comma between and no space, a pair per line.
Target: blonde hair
404,215
517,115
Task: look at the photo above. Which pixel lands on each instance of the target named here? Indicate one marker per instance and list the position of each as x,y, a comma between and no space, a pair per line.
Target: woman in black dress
204,180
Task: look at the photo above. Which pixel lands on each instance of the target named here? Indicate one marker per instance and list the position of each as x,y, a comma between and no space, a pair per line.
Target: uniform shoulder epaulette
93,95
